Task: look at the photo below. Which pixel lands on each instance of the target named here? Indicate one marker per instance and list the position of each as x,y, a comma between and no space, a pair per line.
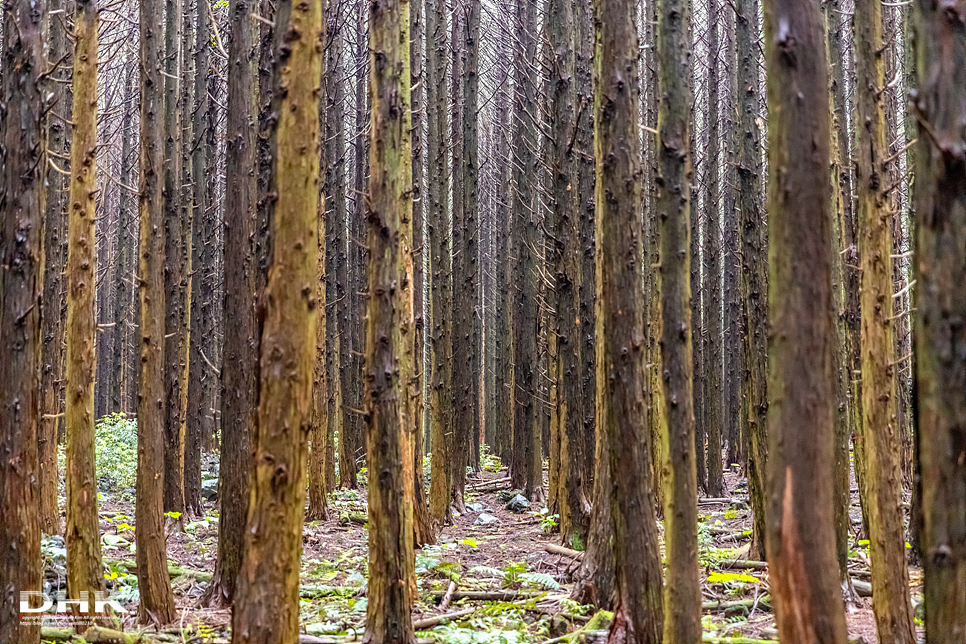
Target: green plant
116,448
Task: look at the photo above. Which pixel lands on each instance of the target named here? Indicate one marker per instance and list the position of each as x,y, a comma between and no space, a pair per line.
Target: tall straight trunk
21,282
584,173
123,278
422,522
754,270
154,584
460,346
890,576
83,536
390,362
239,371
573,502
682,617
174,268
621,382
711,256
799,518
318,508
466,190
841,495
200,326
335,217
525,468
441,435
55,234
940,310
266,606
698,344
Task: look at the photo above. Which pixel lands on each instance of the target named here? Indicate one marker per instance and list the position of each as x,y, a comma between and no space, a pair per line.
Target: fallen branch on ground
560,550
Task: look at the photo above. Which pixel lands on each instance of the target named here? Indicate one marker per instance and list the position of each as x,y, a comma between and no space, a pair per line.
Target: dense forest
503,322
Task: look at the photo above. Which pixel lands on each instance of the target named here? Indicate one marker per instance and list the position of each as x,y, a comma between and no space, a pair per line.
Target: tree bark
682,618
239,372
157,600
266,607
389,359
621,382
21,283
940,310
754,271
800,533
85,572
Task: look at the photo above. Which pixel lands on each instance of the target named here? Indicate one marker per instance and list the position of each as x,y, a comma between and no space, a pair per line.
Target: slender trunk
266,606
754,275
123,277
21,281
800,534
174,269
55,233
440,264
239,372
621,382
389,360
711,256
154,584
83,536
682,623
940,310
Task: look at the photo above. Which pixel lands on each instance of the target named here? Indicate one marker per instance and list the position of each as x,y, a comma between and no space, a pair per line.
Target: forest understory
495,576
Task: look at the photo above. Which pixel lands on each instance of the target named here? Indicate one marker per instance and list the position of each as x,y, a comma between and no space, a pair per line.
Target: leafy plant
116,452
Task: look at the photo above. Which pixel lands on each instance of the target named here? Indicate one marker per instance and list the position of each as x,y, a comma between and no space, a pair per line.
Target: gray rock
486,519
518,504
209,490
475,507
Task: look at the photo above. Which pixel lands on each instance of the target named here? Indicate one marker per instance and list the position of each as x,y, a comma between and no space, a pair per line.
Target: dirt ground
507,554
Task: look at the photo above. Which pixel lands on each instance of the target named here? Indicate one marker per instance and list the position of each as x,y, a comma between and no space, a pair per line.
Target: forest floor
509,588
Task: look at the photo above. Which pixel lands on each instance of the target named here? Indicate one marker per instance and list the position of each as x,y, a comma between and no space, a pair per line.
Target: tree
21,281
266,607
83,537
682,621
55,235
440,264
800,536
621,382
175,323
572,502
890,577
154,584
389,359
240,345
754,270
940,206
526,463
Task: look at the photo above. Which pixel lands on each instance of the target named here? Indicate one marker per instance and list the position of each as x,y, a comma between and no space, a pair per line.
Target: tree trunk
266,607
123,278
154,584
21,283
682,623
441,265
800,534
621,382
940,310
754,270
389,359
525,468
711,256
174,268
54,244
239,371
85,571
890,576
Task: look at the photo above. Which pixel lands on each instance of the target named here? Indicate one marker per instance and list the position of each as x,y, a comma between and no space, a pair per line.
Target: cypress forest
482,322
